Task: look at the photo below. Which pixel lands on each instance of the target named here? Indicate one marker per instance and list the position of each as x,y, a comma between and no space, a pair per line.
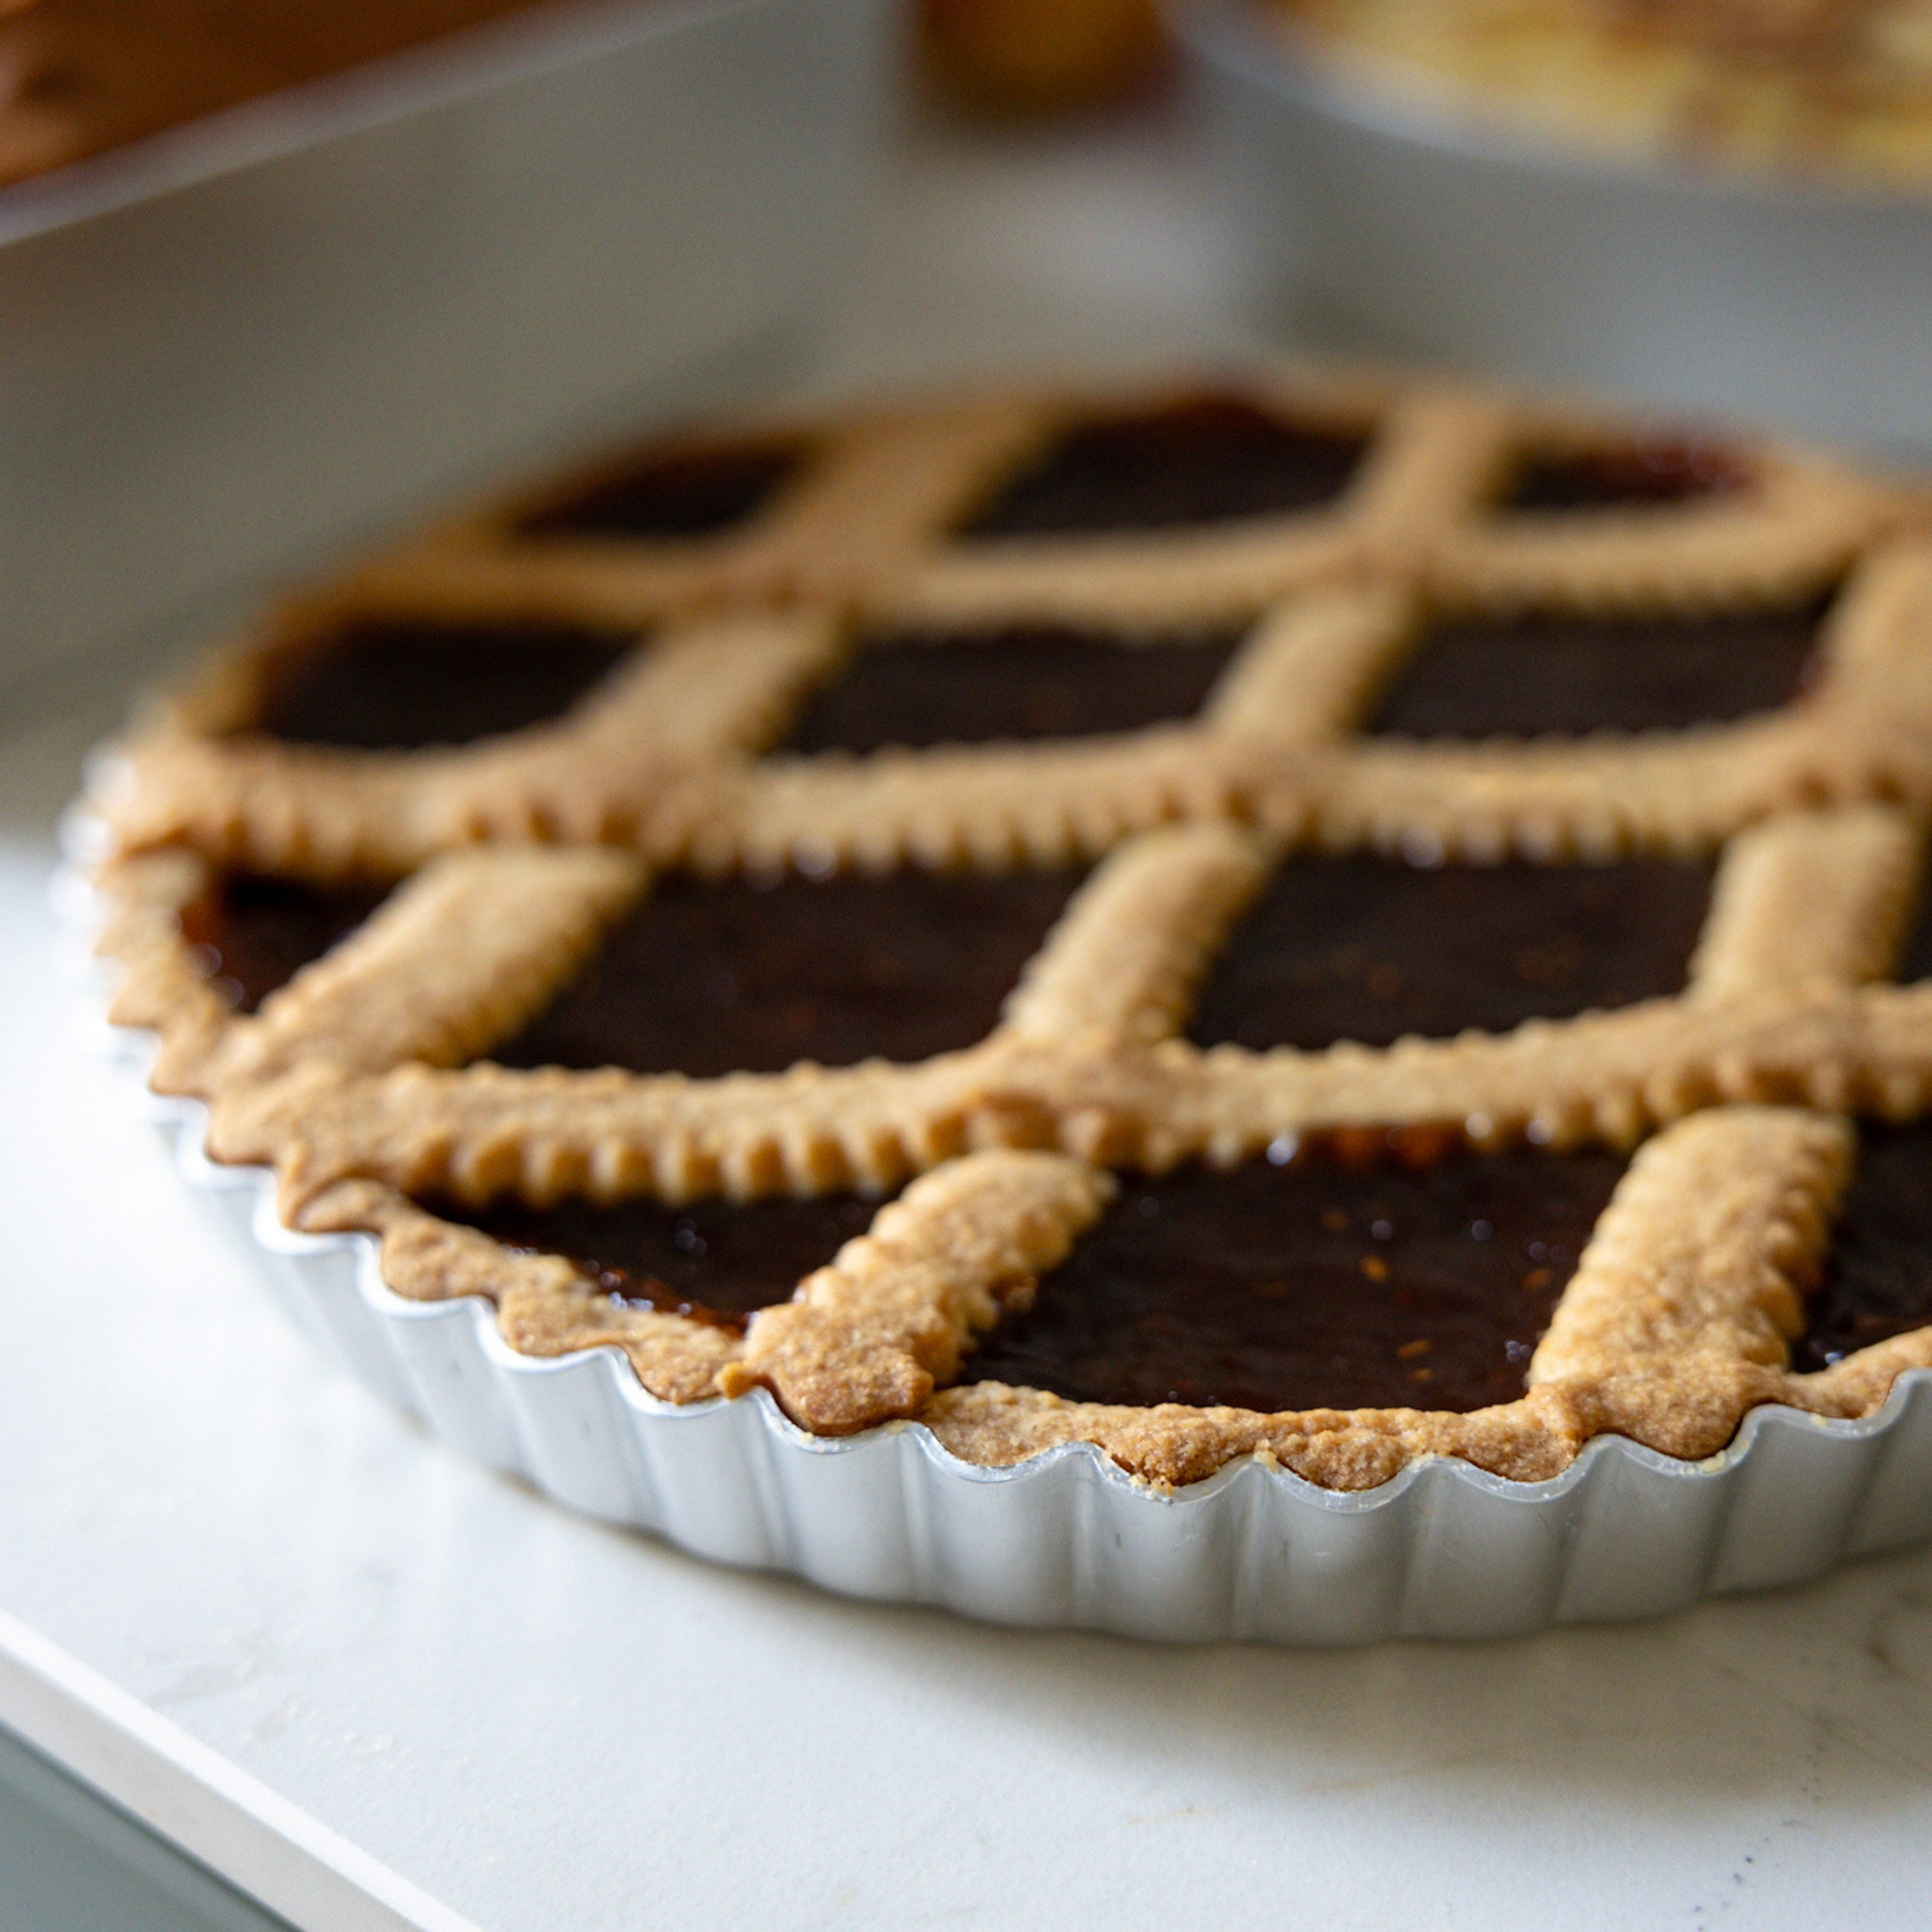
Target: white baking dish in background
1066,1539
239,341
1360,211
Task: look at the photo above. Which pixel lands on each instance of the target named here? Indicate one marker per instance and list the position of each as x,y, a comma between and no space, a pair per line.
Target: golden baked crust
693,694
1673,1326
1089,1065
489,929
360,1080
671,755
1802,905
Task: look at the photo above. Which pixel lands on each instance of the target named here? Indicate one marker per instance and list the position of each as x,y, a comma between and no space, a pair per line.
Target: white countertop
376,1686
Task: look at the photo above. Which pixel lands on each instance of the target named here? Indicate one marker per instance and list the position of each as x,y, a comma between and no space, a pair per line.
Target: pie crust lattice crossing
365,1078
680,752
1089,1062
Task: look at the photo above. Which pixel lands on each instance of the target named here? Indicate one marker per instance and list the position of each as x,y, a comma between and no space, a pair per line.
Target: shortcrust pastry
1333,922
1293,547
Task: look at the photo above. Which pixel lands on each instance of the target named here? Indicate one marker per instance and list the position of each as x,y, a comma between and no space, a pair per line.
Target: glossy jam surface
1624,476
1369,950
1878,1274
1208,460
714,1260
708,978
256,933
687,492
919,690
1531,673
400,687
1312,1286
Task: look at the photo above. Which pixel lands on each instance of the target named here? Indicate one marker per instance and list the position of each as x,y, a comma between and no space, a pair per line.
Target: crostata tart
1322,919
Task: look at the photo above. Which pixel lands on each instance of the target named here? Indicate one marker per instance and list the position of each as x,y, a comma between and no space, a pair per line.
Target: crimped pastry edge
1688,1409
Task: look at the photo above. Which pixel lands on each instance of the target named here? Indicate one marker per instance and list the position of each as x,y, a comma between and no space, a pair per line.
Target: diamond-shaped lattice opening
378,685
683,493
1323,1284
715,1261
710,978
1529,674
1877,1271
918,690
1369,948
1207,460
253,934
1624,476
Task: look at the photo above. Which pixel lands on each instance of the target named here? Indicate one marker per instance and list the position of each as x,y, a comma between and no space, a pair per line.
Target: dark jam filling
1878,1274
256,935
686,492
1312,1286
1370,949
1624,476
713,1261
1527,674
705,979
402,686
1208,460
1916,963
918,690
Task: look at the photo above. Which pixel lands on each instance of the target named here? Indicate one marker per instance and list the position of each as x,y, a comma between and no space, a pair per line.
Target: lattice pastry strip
199,774
933,1269
1802,899
663,793
1677,1322
1860,728
652,760
493,929
649,760
867,516
1772,525
1809,898
1332,598
1711,1235
1605,1076
1274,744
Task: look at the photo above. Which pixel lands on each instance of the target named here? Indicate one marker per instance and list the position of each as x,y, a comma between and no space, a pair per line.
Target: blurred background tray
229,346
1360,213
